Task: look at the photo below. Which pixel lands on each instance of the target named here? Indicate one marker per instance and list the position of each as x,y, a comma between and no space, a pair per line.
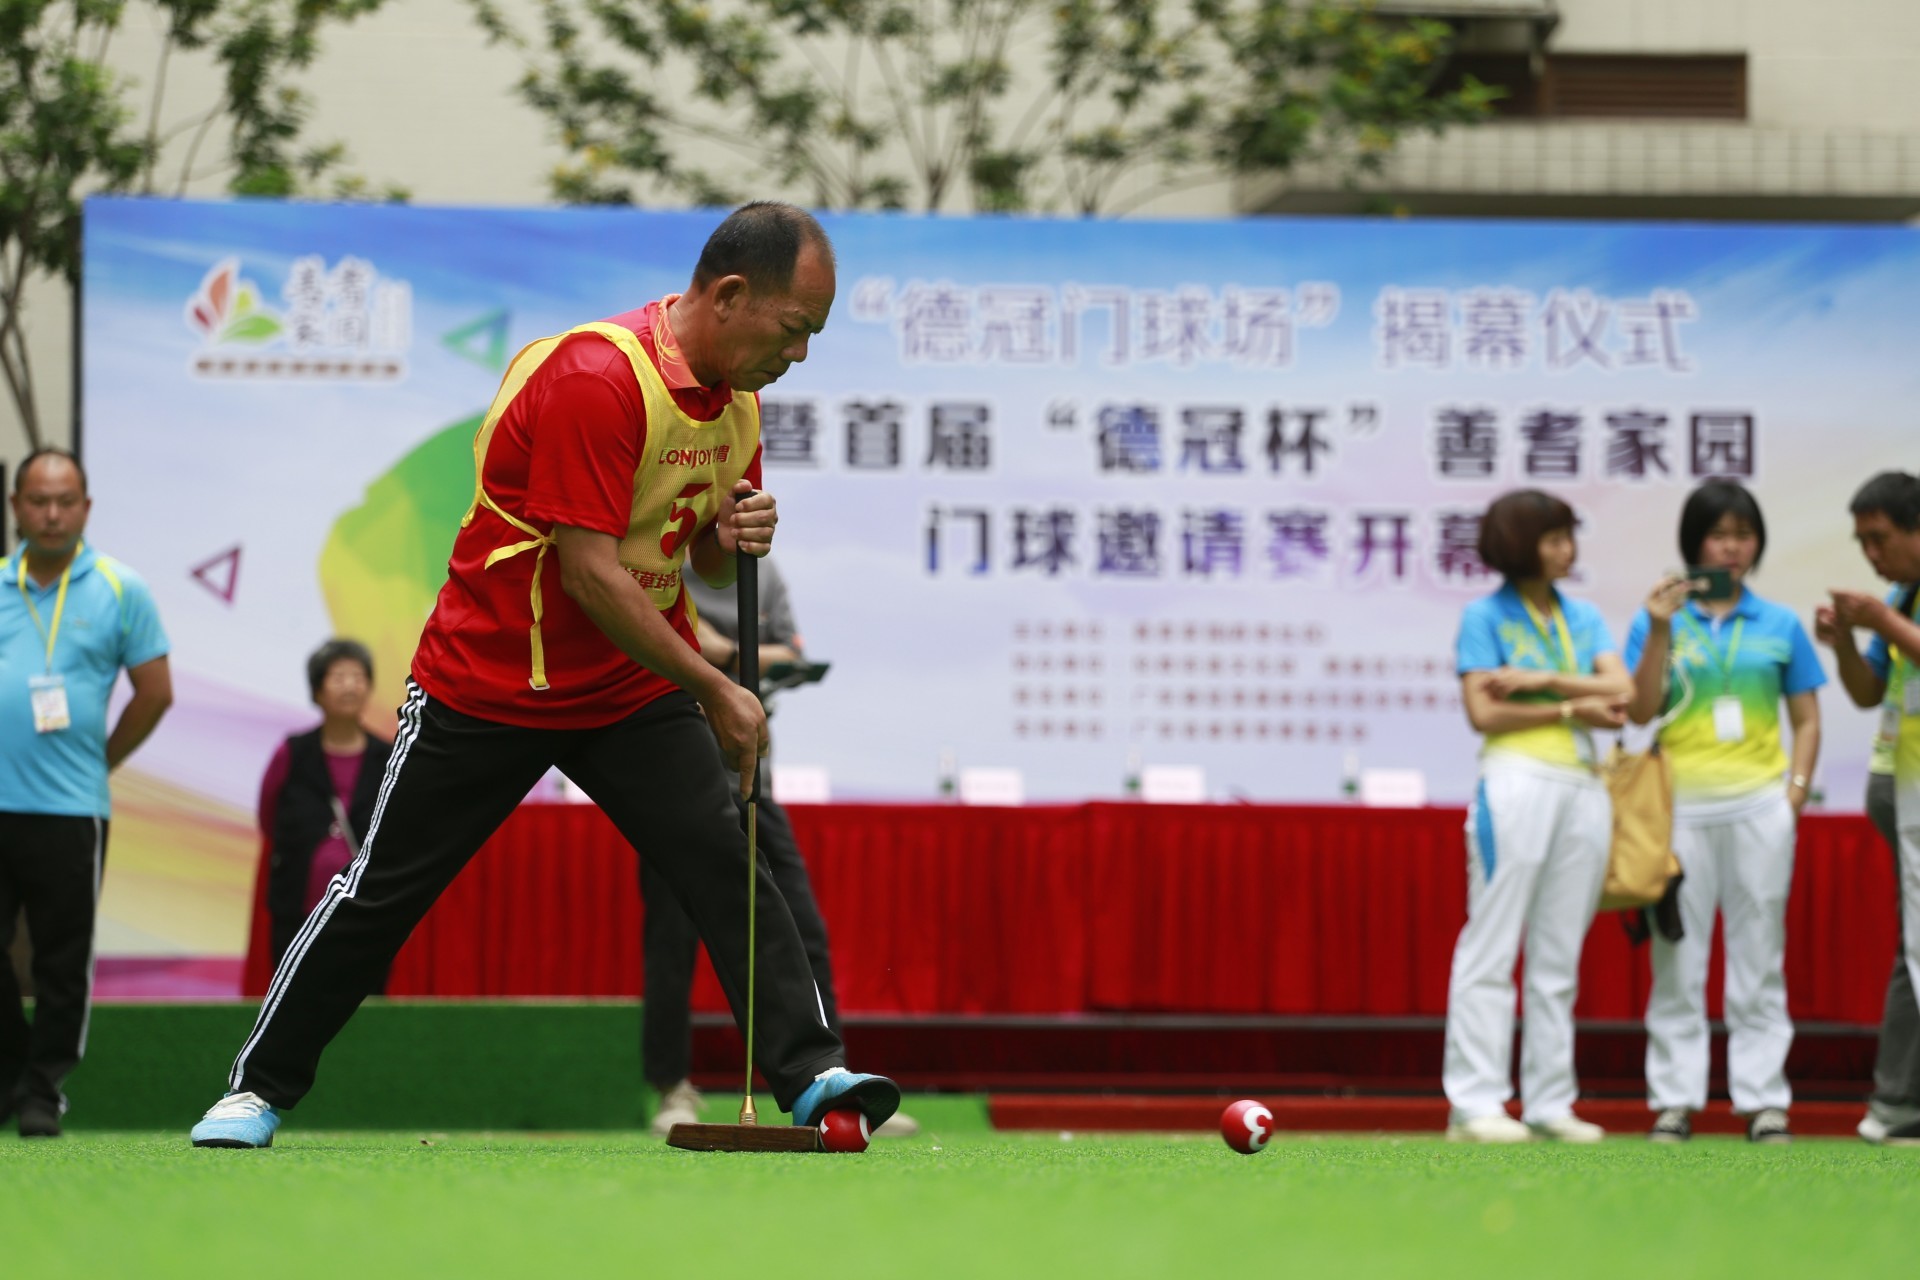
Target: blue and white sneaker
237,1120
876,1096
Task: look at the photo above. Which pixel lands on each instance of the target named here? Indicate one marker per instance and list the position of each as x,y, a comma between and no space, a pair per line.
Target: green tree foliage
71,126
917,104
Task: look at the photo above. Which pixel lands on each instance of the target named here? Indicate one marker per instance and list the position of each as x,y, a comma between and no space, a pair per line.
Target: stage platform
1128,949
1329,1057
575,1065
426,1065
1223,911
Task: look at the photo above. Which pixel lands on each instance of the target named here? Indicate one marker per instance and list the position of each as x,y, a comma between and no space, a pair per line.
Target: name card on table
801,784
1173,784
992,786
1393,788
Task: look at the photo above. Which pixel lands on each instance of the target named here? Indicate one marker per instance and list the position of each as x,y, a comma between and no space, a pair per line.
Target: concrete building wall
1811,64
1832,128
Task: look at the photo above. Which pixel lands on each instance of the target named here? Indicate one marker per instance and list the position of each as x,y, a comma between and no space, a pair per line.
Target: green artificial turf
959,1201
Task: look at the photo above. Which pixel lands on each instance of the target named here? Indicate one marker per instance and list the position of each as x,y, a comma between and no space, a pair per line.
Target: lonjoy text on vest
695,457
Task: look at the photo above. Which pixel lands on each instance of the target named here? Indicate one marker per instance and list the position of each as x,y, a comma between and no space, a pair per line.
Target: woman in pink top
317,799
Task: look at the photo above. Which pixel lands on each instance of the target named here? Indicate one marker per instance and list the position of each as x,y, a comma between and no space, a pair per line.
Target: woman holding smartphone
1714,663
1538,673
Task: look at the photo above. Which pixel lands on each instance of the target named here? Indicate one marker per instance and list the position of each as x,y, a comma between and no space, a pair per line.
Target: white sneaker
1569,1128
1880,1122
678,1105
898,1125
1673,1124
1769,1125
1494,1127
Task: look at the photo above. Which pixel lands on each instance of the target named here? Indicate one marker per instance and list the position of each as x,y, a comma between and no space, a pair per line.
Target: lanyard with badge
1729,721
1564,658
49,691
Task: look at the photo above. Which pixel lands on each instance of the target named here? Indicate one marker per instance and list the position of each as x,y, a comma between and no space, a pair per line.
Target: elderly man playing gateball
612,456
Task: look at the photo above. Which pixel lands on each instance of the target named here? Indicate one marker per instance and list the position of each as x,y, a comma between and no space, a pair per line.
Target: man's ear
729,294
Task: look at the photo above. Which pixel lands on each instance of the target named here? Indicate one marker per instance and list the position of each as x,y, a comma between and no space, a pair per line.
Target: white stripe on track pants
1537,839
1743,867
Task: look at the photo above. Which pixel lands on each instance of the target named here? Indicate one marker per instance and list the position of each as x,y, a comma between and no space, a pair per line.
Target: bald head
48,457
761,293
761,242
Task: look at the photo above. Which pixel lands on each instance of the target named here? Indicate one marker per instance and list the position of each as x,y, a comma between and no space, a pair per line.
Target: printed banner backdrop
1058,496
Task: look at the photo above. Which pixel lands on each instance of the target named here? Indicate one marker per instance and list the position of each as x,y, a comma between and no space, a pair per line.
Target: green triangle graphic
483,341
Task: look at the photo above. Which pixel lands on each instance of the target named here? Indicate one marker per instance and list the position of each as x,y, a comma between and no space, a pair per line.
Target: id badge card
1729,722
1890,723
1911,695
49,694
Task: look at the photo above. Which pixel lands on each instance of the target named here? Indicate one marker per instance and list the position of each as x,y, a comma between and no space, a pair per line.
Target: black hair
1511,530
761,242
1893,494
48,451
1705,508
333,651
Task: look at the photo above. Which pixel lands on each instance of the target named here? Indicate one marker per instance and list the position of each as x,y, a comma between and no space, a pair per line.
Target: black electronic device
1710,584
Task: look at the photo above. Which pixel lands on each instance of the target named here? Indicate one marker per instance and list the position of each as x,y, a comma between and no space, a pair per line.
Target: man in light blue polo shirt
70,619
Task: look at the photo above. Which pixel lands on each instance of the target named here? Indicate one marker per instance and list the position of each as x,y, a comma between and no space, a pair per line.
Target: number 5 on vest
682,520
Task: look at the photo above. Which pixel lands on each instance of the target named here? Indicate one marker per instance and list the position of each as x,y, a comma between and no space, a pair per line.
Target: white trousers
1536,860
1743,867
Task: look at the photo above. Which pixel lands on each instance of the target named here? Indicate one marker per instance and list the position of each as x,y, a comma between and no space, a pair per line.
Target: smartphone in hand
1710,584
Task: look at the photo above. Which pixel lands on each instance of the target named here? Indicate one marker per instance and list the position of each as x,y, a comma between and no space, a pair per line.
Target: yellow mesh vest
686,468
1886,738
1906,741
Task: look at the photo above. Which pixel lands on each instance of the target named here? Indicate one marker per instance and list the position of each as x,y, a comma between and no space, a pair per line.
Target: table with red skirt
1104,908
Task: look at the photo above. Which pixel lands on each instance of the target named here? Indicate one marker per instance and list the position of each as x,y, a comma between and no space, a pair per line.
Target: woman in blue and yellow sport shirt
1538,673
1714,673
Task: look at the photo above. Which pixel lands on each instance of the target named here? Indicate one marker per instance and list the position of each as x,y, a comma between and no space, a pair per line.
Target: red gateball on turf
844,1130
1246,1125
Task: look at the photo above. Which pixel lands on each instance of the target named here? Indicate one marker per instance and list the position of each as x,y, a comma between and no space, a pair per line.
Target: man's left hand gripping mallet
749,1134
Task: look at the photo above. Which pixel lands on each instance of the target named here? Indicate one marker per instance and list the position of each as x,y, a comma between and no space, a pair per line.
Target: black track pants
452,781
51,865
671,945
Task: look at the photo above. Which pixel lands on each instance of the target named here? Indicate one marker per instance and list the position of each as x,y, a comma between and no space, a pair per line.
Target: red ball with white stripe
844,1130
1246,1125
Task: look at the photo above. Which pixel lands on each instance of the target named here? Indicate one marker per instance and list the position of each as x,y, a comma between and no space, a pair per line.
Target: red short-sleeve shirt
564,452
